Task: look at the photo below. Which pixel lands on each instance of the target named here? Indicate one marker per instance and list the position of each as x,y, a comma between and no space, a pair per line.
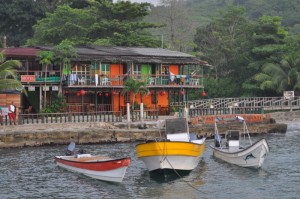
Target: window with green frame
137,71
105,69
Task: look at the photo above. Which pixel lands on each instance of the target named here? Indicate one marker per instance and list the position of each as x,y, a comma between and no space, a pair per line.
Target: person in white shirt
12,113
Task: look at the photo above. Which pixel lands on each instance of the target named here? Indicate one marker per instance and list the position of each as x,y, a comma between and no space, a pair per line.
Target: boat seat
178,137
234,145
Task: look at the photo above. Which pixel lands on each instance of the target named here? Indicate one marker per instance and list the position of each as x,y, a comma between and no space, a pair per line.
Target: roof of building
20,52
114,54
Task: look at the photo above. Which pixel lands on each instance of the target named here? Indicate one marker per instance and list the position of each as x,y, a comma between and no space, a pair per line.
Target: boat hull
103,169
252,156
170,155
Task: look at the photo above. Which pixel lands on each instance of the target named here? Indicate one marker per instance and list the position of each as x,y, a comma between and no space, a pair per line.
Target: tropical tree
280,77
102,22
134,87
223,42
17,19
63,54
8,75
178,26
46,58
269,45
64,23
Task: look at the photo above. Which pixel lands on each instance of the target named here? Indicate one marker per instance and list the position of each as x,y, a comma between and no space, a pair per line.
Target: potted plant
174,111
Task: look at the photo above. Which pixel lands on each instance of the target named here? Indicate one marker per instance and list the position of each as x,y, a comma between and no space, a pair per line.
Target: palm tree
46,58
8,73
135,87
280,77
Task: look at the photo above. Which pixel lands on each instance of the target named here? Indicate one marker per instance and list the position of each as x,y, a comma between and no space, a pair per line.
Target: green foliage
8,69
174,108
280,77
103,22
64,23
225,42
177,26
58,105
46,110
202,11
64,51
222,87
135,87
17,19
46,57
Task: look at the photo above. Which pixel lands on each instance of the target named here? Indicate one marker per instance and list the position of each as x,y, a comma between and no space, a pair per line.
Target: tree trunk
128,112
142,111
45,90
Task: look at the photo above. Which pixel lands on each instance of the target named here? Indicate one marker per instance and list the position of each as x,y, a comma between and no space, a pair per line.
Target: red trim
96,166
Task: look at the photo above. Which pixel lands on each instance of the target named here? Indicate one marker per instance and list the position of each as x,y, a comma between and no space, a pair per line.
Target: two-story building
95,78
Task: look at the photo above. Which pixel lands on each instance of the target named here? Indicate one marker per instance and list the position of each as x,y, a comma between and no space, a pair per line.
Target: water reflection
167,175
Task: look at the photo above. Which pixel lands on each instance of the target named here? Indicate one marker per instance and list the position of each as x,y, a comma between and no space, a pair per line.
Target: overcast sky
155,2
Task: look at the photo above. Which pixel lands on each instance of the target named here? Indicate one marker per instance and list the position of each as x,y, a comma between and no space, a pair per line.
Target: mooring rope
182,178
165,157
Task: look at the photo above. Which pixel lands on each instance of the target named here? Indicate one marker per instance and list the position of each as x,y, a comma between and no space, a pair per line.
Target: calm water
31,173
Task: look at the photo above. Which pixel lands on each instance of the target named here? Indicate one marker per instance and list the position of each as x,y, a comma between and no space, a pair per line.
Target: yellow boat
180,150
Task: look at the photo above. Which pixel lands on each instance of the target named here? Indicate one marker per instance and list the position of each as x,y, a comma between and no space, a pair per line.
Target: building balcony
114,81
152,81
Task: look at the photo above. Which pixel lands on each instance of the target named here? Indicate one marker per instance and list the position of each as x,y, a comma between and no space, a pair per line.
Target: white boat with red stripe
98,167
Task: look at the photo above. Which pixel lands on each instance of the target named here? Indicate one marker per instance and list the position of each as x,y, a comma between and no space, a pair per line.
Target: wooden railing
86,107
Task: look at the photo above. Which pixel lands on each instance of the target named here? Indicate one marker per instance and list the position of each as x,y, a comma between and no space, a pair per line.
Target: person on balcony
172,78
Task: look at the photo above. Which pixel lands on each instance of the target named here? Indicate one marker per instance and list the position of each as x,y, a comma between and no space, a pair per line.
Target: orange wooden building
95,78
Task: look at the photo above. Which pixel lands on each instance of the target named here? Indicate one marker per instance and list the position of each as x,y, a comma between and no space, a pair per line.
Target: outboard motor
70,149
218,140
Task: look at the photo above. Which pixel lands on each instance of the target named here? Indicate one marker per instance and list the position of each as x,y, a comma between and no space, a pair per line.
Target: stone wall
85,133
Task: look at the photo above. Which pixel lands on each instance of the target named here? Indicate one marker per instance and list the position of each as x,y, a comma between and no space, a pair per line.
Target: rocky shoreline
85,133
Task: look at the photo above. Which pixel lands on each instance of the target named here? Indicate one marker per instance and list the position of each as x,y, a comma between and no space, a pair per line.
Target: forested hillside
202,10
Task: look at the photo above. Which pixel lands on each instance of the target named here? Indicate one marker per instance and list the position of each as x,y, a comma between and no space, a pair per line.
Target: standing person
12,113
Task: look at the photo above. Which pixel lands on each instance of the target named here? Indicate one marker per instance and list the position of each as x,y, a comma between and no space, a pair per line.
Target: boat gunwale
220,150
169,142
93,162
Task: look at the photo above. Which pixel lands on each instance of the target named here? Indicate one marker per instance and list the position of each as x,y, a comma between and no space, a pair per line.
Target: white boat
98,167
237,150
178,150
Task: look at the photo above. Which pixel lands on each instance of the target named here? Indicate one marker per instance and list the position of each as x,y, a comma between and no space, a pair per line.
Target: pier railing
221,111
267,103
77,117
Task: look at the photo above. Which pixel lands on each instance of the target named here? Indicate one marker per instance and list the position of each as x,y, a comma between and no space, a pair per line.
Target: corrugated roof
115,54
134,51
20,52
159,52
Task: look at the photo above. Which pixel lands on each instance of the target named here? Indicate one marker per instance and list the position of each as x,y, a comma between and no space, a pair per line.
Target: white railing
267,103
